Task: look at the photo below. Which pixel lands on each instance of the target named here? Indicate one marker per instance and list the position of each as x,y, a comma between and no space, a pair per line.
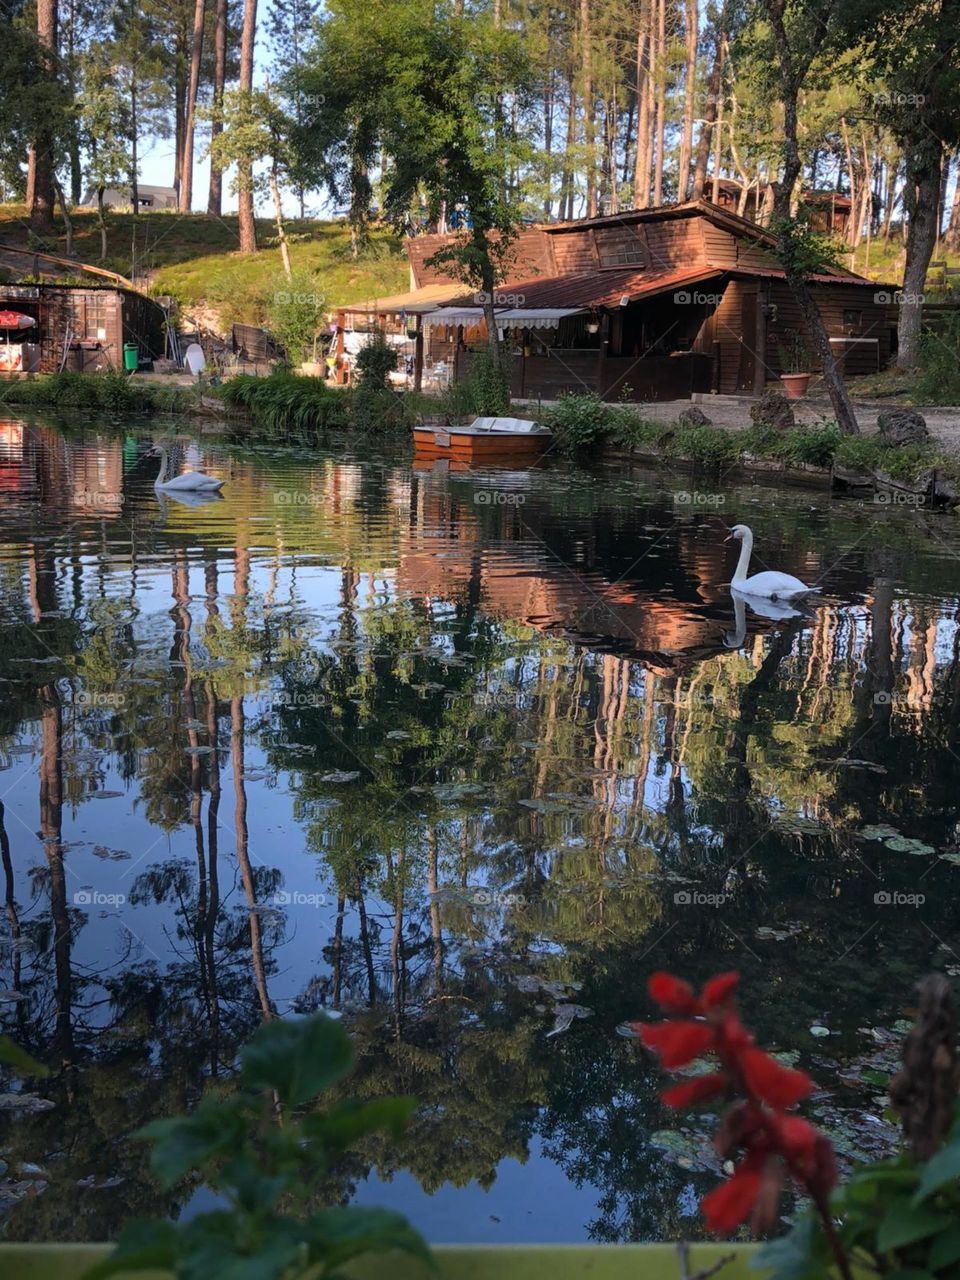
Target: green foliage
109,392
11,1055
710,446
375,360
288,407
895,1217
266,1160
938,379
296,315
579,420
801,250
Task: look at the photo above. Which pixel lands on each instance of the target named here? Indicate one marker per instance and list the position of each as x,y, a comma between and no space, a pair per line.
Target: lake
462,758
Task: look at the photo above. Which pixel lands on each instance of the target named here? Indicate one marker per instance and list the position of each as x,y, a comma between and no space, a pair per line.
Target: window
852,319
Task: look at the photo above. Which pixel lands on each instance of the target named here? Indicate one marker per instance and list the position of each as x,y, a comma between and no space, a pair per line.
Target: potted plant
795,365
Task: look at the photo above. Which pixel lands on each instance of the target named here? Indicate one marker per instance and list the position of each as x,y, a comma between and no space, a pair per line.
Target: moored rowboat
484,440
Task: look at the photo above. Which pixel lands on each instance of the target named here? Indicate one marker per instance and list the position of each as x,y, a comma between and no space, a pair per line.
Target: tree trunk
566,182
548,102
65,215
714,82
588,107
31,175
134,158
278,213
248,228
921,196
196,54
790,85
489,284
661,104
641,175
42,195
102,222
951,239
689,98
215,193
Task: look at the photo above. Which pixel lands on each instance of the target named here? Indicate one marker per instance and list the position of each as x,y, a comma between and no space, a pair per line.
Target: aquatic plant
896,1218
264,1150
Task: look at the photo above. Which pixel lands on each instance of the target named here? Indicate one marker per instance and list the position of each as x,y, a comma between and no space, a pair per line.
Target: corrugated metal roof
414,302
596,288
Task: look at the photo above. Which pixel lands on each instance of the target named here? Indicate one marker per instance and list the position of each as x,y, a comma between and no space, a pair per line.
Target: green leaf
143,1246
297,1059
939,1169
187,1142
214,1252
945,1248
11,1055
799,1255
348,1121
337,1235
904,1224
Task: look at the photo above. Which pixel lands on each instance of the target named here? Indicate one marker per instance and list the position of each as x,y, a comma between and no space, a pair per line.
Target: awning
414,302
467,316
536,318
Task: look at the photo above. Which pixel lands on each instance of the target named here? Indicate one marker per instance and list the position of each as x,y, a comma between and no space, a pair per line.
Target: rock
694,417
773,409
902,426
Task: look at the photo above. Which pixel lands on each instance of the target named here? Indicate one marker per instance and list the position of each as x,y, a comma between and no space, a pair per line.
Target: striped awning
536,317
467,316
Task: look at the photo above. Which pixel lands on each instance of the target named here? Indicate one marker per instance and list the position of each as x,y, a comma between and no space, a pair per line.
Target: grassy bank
581,423
196,260
287,408
98,392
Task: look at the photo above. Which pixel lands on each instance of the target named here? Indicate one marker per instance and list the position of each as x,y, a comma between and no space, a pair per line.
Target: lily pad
341,775
903,844
818,1030
879,831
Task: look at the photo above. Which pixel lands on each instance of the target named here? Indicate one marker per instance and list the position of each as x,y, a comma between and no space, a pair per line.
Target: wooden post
418,356
602,355
760,342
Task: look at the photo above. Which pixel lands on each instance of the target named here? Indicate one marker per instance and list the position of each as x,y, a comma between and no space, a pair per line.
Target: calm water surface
462,757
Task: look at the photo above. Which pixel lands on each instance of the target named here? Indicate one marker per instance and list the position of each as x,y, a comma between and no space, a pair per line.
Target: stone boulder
773,409
694,417
902,426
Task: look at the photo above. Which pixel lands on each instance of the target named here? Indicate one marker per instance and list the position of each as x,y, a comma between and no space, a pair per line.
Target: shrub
375,360
938,381
579,420
296,314
107,392
813,445
711,446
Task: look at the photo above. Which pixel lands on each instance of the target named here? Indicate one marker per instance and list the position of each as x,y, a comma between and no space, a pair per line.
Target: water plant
894,1218
264,1149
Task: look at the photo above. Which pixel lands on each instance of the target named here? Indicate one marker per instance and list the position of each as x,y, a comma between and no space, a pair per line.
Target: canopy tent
536,317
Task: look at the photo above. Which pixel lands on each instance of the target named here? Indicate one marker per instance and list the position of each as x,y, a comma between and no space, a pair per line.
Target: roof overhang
416,302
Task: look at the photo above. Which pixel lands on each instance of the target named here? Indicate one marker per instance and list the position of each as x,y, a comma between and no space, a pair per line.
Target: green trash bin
131,357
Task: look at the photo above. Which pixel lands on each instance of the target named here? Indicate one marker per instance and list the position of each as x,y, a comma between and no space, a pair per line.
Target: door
747,368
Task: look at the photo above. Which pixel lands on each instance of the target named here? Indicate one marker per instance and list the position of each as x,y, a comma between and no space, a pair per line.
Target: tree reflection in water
463,774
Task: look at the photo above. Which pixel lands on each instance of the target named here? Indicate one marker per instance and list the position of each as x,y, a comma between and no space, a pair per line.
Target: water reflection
462,769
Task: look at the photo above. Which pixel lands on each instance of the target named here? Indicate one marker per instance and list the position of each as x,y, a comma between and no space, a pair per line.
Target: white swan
768,585
189,482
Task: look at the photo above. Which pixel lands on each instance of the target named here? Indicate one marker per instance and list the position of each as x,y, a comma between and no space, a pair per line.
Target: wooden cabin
82,327
651,304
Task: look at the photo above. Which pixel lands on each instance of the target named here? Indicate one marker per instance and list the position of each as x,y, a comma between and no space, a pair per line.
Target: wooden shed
656,304
84,327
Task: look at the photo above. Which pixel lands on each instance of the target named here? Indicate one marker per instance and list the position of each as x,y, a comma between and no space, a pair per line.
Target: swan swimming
189,482
768,585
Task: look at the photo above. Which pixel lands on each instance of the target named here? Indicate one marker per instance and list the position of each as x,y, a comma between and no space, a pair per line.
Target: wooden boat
484,440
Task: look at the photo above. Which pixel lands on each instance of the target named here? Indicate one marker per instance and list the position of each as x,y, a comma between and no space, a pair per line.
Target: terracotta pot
795,384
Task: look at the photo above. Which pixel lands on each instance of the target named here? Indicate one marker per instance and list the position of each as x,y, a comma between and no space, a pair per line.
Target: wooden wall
530,256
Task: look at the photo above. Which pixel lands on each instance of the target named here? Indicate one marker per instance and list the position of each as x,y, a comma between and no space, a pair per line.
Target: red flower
731,1202
673,995
779,1086
677,1043
699,1089
774,1143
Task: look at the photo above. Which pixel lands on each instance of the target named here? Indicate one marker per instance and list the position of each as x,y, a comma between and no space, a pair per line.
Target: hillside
195,259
